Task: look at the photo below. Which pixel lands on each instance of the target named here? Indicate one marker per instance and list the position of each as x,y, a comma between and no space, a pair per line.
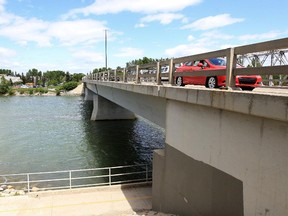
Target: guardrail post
158,73
28,183
108,72
137,74
171,70
147,173
231,64
124,74
109,176
70,179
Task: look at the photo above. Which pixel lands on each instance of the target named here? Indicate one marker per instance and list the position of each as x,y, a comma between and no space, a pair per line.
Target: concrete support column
88,94
104,109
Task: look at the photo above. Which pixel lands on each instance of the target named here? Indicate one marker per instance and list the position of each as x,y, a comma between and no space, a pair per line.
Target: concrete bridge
226,151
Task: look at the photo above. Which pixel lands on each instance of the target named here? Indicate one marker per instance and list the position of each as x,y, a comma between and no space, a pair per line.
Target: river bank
78,91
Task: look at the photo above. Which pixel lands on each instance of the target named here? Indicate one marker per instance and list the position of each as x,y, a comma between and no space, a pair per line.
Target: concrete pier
104,109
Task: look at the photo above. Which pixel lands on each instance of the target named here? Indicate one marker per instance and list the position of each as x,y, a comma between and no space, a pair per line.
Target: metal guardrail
153,70
69,179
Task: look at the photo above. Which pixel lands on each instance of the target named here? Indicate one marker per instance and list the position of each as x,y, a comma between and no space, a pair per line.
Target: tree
98,70
68,86
4,86
54,77
144,60
77,77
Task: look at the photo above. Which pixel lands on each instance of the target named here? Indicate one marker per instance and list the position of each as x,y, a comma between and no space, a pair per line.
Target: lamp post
106,49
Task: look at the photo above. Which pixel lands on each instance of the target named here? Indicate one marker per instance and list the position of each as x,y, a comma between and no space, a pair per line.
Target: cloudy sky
69,35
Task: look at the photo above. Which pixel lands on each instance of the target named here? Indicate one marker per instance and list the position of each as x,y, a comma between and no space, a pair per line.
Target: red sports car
243,81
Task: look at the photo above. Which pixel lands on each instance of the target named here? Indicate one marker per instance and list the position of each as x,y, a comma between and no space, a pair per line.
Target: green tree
54,77
77,77
144,60
97,70
68,86
4,86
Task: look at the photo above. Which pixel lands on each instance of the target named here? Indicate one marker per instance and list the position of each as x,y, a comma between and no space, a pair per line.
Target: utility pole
106,49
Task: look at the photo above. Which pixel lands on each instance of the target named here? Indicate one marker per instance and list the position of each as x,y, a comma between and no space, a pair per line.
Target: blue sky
69,35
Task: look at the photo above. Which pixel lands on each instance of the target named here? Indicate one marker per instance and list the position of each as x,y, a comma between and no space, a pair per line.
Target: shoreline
78,91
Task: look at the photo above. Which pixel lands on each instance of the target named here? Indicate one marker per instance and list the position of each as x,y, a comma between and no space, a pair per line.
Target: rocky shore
8,190
78,91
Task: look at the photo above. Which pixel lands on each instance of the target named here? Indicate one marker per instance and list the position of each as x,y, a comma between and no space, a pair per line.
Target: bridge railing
69,179
153,72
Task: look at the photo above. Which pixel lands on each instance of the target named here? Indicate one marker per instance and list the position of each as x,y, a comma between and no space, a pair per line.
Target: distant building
14,79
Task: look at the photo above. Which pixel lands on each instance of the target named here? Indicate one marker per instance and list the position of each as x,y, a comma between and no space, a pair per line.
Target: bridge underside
109,101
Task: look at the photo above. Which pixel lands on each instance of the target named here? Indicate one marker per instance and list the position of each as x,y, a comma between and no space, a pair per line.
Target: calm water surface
55,133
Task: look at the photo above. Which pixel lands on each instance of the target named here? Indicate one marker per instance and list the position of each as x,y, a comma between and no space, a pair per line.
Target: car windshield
218,61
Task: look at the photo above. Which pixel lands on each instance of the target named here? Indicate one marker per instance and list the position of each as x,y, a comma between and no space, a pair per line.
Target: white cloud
217,35
185,50
88,56
215,40
164,18
140,25
206,42
23,31
4,52
212,22
139,6
130,52
75,32
5,58
264,36
2,2
190,38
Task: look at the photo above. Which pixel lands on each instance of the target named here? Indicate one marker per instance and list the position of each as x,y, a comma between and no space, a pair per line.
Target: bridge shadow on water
120,142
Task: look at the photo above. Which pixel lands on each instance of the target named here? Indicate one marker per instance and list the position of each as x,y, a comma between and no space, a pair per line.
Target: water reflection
121,142
55,133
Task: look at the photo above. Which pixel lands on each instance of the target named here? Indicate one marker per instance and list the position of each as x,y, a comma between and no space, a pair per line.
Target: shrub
4,88
68,86
11,92
41,90
30,91
58,92
21,91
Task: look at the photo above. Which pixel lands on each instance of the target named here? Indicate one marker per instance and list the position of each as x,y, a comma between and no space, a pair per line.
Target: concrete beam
104,109
262,104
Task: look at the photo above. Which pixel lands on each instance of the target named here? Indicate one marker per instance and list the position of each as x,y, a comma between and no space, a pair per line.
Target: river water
40,134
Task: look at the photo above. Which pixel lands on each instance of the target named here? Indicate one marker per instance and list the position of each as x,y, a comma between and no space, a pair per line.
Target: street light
106,49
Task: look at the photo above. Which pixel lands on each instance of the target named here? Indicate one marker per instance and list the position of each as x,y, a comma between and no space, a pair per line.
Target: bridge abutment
104,109
185,186
218,162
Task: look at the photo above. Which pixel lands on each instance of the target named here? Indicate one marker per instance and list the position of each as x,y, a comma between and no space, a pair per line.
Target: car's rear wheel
179,81
211,82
